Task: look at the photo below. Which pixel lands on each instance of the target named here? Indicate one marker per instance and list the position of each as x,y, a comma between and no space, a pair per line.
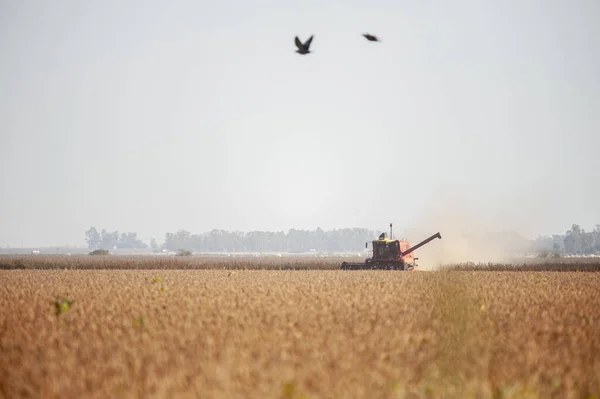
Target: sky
157,116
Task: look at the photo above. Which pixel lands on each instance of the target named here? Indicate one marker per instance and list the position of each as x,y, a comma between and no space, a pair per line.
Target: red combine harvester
390,254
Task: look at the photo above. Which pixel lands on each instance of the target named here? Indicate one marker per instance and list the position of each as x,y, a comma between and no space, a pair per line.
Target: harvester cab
390,254
385,248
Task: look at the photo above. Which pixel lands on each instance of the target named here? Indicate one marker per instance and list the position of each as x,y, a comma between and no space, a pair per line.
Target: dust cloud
467,236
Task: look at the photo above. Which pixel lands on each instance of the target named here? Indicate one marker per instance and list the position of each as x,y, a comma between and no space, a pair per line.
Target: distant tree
596,239
123,241
130,240
217,240
175,241
153,244
578,242
574,240
93,238
109,240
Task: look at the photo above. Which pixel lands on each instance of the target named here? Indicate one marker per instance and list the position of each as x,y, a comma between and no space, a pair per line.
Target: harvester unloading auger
390,254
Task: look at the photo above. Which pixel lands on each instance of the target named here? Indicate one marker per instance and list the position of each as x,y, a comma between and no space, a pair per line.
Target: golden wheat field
299,334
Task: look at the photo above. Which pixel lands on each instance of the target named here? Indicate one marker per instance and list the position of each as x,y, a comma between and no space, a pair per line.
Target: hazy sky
154,116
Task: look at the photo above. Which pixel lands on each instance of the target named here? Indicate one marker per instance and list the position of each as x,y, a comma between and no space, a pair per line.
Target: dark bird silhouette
303,48
371,38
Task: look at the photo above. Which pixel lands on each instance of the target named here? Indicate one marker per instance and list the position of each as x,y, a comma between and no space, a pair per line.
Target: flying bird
303,48
371,38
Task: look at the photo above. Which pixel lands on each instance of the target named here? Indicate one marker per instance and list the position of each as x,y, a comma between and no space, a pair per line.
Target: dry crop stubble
312,334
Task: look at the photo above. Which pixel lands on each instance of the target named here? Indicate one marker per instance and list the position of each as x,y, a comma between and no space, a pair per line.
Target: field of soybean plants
150,262
245,333
267,262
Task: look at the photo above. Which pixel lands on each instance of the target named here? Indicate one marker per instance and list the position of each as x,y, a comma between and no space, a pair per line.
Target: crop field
298,334
266,262
87,262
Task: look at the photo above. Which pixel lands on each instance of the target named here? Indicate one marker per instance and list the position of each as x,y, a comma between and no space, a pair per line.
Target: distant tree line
350,239
111,240
575,241
265,241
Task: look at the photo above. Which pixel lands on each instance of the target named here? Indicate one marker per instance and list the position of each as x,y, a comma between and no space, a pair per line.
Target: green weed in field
62,305
140,322
289,392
